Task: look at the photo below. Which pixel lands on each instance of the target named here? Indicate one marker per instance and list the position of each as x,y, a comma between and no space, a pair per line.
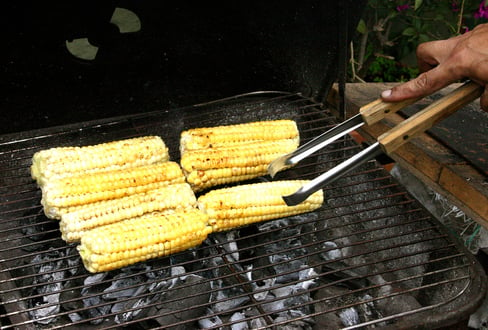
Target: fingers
425,84
433,61
446,61
430,54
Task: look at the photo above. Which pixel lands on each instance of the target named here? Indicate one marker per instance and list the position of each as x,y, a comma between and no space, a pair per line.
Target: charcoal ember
392,303
274,224
130,292
330,251
75,317
258,323
47,285
286,269
227,299
41,314
178,303
74,262
131,309
325,306
95,279
226,270
338,270
238,321
95,309
70,296
157,274
228,243
258,265
35,226
349,316
293,295
308,279
213,321
298,320
123,286
183,258
261,288
368,310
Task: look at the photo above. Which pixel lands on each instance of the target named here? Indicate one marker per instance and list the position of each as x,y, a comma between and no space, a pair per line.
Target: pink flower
482,11
404,7
454,6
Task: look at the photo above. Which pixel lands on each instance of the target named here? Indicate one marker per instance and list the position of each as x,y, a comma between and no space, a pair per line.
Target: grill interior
371,256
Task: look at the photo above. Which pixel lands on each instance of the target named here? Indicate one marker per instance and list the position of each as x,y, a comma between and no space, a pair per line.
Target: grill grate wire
386,245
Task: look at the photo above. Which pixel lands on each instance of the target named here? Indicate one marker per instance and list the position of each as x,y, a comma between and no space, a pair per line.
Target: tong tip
295,198
277,165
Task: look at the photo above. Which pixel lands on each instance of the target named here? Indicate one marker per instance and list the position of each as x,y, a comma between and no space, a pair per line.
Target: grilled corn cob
142,238
224,136
172,198
230,208
225,154
98,186
65,161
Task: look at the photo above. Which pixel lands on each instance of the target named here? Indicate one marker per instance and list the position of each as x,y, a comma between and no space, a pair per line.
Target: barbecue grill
372,256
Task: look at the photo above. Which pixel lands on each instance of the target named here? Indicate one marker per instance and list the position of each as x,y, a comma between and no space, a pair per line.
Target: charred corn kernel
65,161
233,207
172,198
149,236
205,168
223,136
98,186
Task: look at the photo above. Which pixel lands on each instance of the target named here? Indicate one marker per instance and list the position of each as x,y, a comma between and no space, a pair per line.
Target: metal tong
387,143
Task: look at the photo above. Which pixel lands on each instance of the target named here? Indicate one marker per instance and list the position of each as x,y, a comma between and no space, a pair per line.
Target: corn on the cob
229,208
65,161
172,198
138,239
94,187
224,136
225,154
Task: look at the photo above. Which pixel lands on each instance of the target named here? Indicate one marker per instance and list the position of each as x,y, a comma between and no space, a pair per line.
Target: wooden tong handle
378,109
428,117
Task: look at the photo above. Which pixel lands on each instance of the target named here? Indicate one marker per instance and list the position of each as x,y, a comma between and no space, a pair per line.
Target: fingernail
386,93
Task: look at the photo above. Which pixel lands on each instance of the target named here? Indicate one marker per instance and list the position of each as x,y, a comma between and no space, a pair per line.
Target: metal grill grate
371,256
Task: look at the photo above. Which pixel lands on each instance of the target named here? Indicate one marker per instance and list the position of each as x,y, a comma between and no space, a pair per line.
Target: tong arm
394,138
378,109
428,117
369,114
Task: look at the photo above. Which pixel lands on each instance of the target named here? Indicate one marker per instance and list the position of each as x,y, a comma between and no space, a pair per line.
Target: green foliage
385,69
390,31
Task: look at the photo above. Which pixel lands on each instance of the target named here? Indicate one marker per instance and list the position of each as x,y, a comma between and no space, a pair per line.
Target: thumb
484,99
425,84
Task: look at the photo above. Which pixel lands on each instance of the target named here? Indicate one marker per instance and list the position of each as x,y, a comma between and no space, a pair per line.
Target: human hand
443,62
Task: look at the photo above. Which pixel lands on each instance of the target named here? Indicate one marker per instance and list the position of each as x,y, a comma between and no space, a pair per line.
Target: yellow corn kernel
65,161
98,186
204,168
149,236
174,197
224,136
237,206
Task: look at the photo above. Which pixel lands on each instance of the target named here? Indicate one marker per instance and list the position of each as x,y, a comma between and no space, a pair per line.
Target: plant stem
460,18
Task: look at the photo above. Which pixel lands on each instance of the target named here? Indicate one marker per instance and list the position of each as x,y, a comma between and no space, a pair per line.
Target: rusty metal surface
371,256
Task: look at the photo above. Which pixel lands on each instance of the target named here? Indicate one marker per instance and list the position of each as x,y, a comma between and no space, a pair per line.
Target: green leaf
423,37
417,5
362,27
410,31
